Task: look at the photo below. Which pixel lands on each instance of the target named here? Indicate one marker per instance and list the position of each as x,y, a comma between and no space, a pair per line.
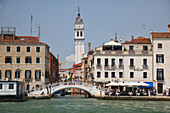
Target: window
144,62
28,74
113,62
106,74
17,74
106,62
18,49
77,33
8,49
160,87
144,74
159,58
120,62
98,75
28,60
8,74
37,60
0,86
130,47
131,62
38,74
18,60
120,74
46,74
113,74
145,48
98,62
81,33
37,49
159,45
85,61
160,74
131,74
11,86
28,49
0,74
8,60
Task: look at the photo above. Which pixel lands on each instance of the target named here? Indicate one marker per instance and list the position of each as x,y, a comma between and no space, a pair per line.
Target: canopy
127,84
112,43
150,85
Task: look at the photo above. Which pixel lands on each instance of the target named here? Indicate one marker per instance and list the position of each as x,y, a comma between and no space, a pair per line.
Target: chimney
169,27
82,56
89,46
58,58
132,37
120,40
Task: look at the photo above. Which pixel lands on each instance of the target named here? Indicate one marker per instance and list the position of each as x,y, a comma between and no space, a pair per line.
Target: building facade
23,58
161,61
79,38
138,60
53,68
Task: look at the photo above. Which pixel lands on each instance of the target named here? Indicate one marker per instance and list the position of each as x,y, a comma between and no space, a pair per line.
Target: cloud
70,58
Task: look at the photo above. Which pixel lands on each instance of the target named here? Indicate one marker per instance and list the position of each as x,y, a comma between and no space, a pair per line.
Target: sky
101,20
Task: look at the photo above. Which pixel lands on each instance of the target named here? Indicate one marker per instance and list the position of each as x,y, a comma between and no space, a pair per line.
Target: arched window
38,74
17,74
8,74
28,74
77,33
81,33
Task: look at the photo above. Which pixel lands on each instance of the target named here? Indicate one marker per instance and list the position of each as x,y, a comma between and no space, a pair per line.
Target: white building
139,60
161,60
79,38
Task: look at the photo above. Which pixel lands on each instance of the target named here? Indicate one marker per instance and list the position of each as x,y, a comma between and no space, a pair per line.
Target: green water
82,105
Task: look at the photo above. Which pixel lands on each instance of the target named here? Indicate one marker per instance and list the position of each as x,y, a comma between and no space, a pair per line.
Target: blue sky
101,19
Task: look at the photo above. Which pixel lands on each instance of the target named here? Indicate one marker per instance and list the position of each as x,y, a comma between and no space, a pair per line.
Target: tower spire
116,36
78,11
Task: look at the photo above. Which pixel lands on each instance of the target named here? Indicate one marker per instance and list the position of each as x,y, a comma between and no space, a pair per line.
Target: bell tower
79,38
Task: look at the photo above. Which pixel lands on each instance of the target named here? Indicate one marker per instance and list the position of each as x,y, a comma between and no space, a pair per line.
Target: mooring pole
100,94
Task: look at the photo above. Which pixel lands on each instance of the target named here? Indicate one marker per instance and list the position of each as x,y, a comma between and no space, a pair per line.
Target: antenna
78,11
31,15
144,29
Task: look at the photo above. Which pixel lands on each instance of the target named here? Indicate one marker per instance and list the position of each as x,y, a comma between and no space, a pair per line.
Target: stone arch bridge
93,90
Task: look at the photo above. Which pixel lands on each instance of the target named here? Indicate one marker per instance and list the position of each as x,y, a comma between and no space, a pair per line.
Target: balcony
106,66
160,78
121,66
98,66
28,79
127,53
37,79
145,66
113,67
131,66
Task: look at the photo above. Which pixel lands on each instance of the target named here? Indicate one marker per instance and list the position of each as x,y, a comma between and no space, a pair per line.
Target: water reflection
80,104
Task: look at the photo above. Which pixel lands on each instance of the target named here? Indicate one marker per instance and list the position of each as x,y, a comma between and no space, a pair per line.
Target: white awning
127,84
112,43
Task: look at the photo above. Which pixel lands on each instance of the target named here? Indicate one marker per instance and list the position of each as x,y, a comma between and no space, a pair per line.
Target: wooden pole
100,95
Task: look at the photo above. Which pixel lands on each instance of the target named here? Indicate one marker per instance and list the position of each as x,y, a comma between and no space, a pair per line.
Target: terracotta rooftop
20,39
160,34
140,40
63,69
79,64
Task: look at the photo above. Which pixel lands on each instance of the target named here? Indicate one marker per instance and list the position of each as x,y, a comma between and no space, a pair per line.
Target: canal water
78,104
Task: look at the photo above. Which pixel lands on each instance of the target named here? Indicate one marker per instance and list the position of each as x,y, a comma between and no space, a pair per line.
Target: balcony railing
131,66
145,66
98,66
138,53
113,67
106,66
160,78
38,79
121,66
